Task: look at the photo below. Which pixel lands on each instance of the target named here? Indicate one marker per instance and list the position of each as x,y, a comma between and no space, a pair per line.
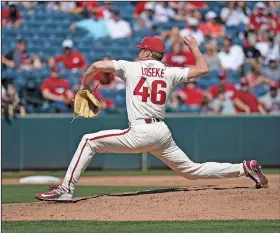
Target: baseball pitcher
148,84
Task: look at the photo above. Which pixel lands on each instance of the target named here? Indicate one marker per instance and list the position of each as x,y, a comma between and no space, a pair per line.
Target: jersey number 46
157,96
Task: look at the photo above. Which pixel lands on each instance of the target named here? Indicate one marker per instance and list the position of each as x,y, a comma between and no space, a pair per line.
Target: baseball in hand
191,42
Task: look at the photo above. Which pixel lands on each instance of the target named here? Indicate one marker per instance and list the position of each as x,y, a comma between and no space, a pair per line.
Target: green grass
90,173
143,227
109,173
26,193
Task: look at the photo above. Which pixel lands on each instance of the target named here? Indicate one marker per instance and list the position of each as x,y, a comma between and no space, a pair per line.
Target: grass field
143,227
91,173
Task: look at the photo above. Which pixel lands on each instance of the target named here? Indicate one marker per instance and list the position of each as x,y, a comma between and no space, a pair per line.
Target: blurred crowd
235,39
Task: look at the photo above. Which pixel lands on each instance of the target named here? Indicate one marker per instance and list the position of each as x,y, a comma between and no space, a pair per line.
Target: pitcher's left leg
116,141
178,161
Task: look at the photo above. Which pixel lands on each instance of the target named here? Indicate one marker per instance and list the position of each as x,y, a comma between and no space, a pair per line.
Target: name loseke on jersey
153,72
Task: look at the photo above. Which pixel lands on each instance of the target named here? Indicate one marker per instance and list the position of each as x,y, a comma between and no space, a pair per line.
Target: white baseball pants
141,137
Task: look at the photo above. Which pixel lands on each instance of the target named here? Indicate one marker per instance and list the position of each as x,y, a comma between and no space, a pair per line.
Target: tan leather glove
86,104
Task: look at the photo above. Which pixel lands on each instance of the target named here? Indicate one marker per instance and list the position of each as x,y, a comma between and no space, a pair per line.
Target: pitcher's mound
188,203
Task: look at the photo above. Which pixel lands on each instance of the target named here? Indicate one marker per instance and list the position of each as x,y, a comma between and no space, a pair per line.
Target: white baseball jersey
148,85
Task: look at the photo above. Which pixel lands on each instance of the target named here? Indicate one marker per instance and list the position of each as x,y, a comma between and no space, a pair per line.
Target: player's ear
148,53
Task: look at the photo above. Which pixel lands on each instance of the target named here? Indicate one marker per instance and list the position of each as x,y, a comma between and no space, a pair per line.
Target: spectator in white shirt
242,6
145,19
107,10
162,12
192,30
65,7
232,56
268,47
117,27
233,16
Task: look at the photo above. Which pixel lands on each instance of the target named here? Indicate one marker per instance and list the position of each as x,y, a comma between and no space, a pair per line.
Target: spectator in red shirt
139,8
229,89
104,80
179,58
245,102
11,17
85,8
72,60
273,24
190,95
105,103
95,89
58,91
211,28
258,19
193,5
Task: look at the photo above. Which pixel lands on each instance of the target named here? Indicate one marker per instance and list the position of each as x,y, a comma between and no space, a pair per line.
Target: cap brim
146,47
137,46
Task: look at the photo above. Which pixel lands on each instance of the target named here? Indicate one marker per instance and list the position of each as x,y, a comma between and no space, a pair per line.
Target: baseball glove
86,104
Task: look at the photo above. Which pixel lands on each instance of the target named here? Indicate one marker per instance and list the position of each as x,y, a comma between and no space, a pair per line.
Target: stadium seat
142,33
202,48
20,81
9,73
238,41
109,94
246,68
220,41
208,80
260,90
233,76
232,31
120,98
189,109
179,24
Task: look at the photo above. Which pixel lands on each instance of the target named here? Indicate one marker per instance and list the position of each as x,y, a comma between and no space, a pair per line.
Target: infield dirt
225,199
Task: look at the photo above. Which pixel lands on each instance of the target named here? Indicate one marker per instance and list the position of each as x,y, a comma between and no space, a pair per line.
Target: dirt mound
205,202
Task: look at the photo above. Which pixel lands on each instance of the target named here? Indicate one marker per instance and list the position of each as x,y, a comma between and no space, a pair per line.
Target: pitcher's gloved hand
86,104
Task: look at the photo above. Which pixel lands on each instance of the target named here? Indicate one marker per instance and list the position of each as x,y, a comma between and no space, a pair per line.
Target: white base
39,180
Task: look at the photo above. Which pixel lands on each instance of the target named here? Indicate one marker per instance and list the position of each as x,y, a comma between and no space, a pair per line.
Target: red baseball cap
154,44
